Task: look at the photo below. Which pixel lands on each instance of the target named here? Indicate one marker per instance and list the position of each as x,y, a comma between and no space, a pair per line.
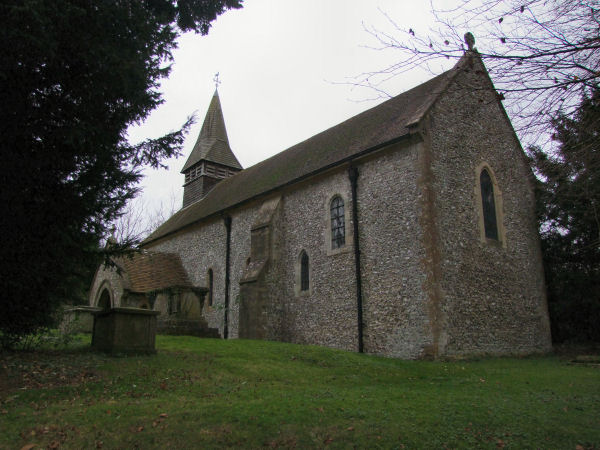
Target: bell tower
212,159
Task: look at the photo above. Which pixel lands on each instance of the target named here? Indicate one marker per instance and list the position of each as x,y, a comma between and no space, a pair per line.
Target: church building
406,231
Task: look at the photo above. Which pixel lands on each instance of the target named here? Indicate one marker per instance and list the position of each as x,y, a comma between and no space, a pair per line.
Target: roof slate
212,143
370,129
152,271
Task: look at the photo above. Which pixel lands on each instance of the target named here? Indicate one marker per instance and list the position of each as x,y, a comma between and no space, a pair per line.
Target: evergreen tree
74,75
569,214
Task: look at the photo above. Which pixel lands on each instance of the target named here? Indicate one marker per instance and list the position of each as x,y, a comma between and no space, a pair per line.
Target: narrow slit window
490,221
304,280
210,287
338,223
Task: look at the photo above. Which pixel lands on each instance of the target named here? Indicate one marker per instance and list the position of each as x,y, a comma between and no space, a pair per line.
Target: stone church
406,231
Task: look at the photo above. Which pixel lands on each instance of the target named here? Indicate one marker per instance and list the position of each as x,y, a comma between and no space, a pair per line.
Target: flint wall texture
395,305
493,295
326,313
241,224
202,248
432,286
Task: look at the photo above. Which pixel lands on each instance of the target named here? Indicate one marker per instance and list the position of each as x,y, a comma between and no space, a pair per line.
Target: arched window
210,287
304,277
338,223
488,204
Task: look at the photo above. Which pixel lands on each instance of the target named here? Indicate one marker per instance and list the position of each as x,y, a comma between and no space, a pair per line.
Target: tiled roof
152,271
213,144
368,130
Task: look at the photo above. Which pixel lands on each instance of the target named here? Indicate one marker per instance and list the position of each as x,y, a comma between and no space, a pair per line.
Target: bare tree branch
139,219
541,54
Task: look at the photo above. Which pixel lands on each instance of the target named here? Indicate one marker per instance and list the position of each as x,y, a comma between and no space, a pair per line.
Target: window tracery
338,223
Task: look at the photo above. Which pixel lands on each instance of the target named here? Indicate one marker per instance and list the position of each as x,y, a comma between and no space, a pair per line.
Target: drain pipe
227,220
353,175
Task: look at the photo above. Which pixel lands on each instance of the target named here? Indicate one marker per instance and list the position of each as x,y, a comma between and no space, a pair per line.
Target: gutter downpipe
227,220
353,176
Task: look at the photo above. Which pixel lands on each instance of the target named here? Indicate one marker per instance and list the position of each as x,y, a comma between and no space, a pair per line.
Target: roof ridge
373,128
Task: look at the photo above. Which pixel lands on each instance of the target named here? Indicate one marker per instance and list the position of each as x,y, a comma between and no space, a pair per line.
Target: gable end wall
493,294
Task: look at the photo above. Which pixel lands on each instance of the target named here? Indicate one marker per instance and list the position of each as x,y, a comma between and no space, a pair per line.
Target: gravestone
125,330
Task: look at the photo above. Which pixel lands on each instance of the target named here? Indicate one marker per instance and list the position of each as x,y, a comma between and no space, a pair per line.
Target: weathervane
216,80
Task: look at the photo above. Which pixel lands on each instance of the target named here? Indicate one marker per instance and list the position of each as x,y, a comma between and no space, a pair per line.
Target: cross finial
470,40
216,80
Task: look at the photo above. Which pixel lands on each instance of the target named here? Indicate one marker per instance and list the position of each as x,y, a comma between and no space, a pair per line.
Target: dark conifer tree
74,75
569,213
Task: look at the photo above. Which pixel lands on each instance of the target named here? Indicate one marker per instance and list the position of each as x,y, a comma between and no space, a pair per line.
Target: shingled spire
211,159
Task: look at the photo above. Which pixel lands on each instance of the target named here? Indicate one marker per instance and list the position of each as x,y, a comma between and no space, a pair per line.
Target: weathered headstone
125,330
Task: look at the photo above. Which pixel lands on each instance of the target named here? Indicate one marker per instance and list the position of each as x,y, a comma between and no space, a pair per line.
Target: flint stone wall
493,294
431,286
326,313
203,247
395,308
392,253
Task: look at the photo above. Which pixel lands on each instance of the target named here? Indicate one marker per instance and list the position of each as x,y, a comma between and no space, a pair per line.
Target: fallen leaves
56,434
161,418
37,370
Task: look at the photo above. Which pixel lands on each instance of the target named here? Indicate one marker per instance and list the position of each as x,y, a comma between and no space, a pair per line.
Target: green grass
206,393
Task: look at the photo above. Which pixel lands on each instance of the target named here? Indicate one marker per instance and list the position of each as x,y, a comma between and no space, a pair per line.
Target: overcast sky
283,67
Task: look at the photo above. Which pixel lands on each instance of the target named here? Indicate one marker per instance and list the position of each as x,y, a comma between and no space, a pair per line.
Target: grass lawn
207,393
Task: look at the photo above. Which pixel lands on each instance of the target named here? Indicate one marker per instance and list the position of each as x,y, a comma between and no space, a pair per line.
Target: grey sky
283,64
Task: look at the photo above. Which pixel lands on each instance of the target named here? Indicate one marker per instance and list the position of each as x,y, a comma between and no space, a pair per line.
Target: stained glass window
304,272
210,287
338,223
490,223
